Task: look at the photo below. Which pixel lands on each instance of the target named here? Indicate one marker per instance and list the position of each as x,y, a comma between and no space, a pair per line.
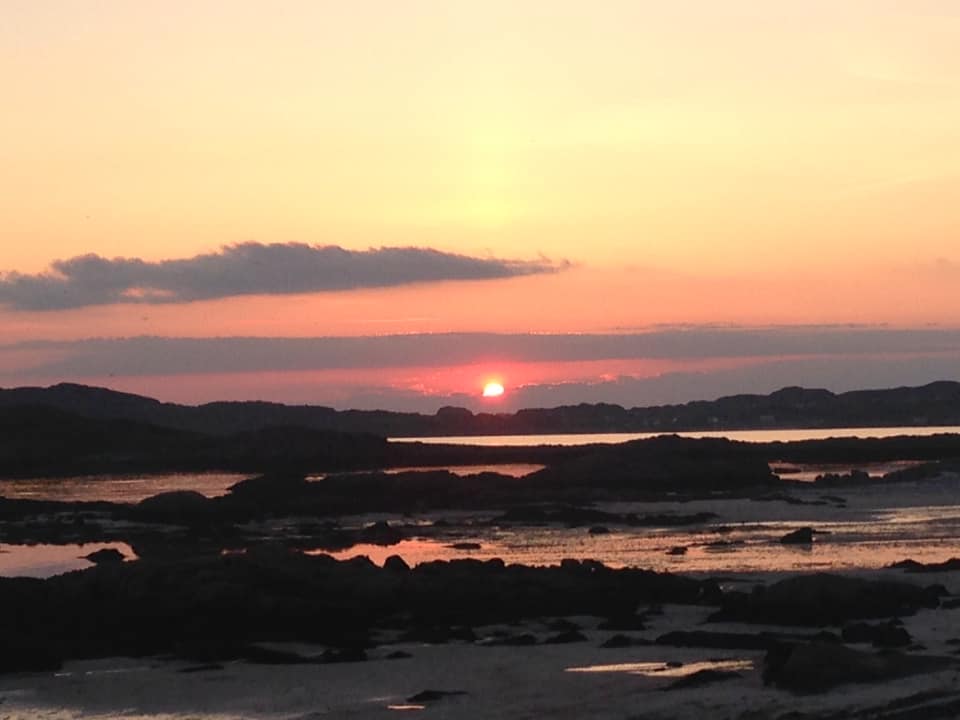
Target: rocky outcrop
883,635
213,608
825,599
801,536
815,667
912,566
106,556
175,507
668,463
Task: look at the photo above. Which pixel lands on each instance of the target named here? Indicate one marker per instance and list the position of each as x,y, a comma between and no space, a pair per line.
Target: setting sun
492,389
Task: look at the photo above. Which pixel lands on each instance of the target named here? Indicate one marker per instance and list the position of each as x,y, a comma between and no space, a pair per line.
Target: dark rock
177,507
211,608
815,667
21,657
665,463
884,635
381,533
599,530
360,561
916,567
803,536
465,546
433,695
270,487
623,622
677,550
711,592
399,655
395,563
852,478
824,599
106,556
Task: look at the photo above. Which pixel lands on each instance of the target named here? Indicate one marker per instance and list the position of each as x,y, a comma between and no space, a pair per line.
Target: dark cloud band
176,356
247,269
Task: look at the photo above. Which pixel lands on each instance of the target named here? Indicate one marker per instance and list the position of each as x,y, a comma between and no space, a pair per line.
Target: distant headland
77,430
934,404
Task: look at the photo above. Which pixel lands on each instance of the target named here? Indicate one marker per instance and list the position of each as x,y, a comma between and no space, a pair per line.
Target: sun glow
492,389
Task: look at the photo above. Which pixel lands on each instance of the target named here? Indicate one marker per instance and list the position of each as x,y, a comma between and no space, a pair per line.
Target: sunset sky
389,204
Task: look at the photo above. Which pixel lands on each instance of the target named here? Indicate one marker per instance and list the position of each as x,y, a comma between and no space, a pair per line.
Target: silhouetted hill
37,440
934,404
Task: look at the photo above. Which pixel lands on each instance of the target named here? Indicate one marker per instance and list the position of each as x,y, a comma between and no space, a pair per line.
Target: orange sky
747,162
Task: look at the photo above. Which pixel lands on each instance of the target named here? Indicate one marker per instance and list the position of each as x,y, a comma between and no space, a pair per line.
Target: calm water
134,488
742,435
116,488
877,526
44,560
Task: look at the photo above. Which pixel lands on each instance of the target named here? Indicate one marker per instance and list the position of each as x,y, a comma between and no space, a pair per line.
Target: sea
865,527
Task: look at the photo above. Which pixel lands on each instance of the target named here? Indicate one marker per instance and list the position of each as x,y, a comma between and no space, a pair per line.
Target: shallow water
134,488
116,488
875,526
43,560
879,525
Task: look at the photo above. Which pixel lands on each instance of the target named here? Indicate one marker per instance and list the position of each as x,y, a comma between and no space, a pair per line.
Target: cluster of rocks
209,609
824,599
212,607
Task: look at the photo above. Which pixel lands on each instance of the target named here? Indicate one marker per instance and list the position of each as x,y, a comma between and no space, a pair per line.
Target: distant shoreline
743,435
932,405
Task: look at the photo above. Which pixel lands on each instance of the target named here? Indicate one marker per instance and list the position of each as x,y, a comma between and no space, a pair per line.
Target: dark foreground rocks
214,608
825,599
817,667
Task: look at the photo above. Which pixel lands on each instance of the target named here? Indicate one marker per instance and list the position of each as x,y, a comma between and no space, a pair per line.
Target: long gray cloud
141,356
246,269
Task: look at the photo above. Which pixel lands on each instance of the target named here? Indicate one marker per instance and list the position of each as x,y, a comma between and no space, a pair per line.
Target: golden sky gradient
746,162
